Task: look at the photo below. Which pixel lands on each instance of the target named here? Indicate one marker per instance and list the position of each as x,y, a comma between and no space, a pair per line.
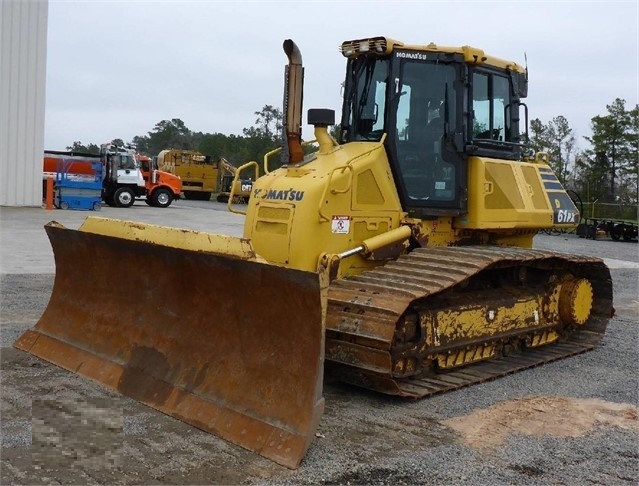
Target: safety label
341,224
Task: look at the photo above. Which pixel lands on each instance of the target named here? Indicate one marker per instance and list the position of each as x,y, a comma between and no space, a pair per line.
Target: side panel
329,204
511,195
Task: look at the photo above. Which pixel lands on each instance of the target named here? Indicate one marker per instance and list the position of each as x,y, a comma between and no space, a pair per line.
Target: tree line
254,142
605,172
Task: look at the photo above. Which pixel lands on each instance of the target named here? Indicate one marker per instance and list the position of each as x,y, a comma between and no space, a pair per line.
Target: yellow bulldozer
397,257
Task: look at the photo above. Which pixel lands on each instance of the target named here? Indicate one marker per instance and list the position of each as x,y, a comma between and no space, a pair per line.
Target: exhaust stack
293,93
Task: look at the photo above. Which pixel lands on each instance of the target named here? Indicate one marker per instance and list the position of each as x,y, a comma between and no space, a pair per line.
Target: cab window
491,105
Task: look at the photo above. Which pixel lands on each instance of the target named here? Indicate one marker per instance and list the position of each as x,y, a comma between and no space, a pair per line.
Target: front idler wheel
575,301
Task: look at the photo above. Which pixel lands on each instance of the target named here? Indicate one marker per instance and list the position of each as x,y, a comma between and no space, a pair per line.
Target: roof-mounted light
348,52
380,46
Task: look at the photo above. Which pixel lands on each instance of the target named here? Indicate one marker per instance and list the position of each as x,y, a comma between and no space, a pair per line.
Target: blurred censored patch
85,434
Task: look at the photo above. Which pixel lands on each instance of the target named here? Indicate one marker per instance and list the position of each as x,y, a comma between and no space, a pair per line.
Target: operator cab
121,165
436,108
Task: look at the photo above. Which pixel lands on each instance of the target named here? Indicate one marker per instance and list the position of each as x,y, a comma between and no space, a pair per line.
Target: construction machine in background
203,175
124,175
129,175
399,255
239,189
199,173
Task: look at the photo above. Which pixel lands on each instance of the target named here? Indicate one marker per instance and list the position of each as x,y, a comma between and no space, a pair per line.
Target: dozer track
438,319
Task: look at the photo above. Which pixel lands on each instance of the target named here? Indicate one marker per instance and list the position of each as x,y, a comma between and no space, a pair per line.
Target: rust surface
231,346
363,314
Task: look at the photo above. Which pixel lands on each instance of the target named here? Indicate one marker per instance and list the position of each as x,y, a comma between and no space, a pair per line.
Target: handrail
267,155
335,191
279,149
349,166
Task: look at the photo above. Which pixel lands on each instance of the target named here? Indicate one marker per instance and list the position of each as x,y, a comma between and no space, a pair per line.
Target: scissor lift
78,191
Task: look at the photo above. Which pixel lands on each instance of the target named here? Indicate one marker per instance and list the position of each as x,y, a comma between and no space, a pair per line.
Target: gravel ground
573,421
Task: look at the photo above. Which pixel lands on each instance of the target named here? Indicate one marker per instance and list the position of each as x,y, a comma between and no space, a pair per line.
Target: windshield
365,99
124,161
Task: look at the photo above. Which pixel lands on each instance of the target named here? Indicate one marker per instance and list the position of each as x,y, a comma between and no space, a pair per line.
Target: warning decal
341,224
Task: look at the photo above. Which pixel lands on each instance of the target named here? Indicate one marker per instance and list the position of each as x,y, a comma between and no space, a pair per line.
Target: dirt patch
537,416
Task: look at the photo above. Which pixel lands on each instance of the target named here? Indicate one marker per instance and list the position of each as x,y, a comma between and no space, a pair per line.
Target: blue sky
116,68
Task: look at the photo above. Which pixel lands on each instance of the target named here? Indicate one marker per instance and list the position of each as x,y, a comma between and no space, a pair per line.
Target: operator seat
422,153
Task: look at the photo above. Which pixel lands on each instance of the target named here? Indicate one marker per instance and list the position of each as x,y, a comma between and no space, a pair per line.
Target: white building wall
23,64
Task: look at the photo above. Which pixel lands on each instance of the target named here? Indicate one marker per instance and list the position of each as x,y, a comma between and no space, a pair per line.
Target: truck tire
124,197
616,232
162,198
108,199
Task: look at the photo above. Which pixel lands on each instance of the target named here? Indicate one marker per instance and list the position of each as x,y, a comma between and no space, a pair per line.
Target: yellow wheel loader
399,256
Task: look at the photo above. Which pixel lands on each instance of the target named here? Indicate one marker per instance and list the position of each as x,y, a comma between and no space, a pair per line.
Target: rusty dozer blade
192,324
